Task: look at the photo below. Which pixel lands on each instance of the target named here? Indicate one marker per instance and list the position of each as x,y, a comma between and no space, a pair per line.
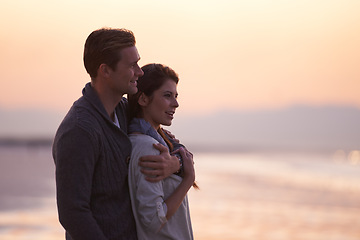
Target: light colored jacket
147,199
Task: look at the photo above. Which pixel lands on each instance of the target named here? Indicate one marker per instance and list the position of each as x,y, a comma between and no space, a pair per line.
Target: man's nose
139,71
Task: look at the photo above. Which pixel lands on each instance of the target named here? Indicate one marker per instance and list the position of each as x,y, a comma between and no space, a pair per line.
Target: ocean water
257,196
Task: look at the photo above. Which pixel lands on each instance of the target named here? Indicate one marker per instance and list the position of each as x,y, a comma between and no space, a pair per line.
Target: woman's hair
103,46
155,75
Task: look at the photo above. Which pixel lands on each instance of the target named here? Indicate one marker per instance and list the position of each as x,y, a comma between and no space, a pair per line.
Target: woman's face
159,109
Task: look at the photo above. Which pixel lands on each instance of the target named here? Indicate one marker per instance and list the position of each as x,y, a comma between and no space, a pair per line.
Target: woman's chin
167,123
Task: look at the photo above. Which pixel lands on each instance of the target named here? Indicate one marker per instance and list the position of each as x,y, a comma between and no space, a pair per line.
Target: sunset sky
256,76
239,54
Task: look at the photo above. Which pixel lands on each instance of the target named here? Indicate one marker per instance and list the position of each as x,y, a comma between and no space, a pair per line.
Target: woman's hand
188,164
174,200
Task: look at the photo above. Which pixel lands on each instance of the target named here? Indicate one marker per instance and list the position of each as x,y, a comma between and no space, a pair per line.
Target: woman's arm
148,198
175,199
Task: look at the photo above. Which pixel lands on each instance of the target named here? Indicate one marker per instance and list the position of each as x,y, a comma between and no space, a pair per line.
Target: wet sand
242,196
27,194
276,198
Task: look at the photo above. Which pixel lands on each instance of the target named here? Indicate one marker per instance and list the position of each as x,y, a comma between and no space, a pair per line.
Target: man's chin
133,90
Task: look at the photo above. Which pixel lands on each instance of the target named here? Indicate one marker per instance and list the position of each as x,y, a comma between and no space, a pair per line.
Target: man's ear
104,70
143,100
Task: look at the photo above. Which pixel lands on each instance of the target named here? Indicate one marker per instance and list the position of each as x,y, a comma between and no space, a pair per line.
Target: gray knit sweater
90,155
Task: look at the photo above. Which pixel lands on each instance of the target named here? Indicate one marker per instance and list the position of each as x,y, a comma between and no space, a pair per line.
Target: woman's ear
143,100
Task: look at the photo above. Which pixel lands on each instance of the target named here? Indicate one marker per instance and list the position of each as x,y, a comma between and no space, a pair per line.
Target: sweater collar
91,96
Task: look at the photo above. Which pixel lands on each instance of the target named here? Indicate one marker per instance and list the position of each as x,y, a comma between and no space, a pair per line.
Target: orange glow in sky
245,54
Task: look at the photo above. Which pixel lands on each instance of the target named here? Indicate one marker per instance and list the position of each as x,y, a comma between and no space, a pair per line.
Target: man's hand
158,167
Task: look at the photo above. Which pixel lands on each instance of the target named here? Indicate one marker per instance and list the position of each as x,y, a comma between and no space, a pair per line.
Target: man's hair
103,46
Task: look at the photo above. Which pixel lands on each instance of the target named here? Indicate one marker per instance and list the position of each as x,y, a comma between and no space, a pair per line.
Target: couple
115,177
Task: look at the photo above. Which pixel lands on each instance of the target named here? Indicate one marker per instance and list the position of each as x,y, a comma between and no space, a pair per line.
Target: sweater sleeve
149,197
75,157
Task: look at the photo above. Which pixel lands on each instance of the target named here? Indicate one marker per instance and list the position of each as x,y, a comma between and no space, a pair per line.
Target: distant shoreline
28,142
195,148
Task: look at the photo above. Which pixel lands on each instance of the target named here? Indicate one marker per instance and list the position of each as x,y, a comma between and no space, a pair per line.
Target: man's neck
108,98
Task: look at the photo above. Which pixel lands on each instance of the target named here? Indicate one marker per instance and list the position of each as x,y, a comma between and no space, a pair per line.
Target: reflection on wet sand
242,196
276,197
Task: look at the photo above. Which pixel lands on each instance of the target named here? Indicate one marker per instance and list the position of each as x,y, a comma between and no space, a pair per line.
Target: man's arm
75,160
161,166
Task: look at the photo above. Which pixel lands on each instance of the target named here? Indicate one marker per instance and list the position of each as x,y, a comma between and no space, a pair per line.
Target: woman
161,209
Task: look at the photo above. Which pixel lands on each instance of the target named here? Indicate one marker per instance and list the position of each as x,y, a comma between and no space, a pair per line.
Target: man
91,148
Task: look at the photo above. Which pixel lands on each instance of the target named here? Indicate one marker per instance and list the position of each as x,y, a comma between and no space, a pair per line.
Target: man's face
124,78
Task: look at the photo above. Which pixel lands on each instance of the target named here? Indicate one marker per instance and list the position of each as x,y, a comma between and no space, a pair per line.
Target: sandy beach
243,196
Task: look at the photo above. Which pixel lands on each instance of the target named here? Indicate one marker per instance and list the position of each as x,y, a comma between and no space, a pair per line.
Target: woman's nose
176,104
